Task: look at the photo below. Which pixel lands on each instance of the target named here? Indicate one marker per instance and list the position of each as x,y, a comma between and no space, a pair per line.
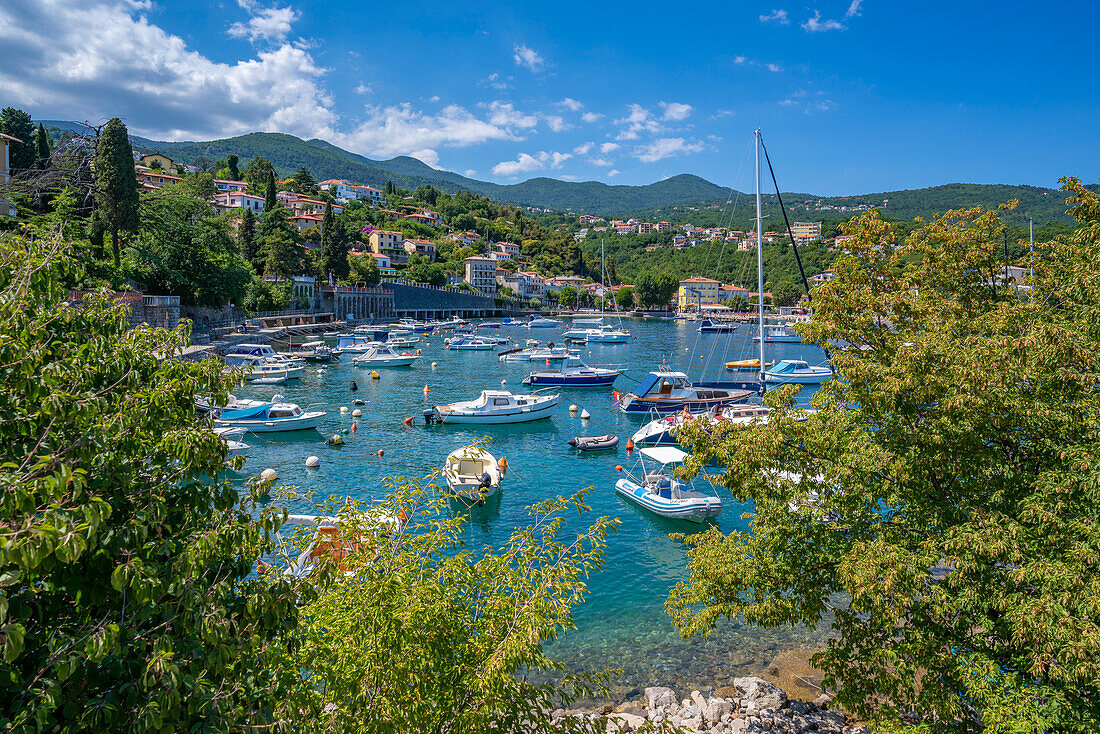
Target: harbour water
622,623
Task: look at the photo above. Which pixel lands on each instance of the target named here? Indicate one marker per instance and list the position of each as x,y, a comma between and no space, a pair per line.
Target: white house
224,185
238,200
5,171
481,273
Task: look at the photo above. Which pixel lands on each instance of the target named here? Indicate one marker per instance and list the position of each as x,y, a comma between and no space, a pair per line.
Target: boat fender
268,475
354,426
418,352
313,462
403,517
629,444
434,364
343,409
573,408
547,361
502,465
504,382
409,421
374,374
344,431
616,394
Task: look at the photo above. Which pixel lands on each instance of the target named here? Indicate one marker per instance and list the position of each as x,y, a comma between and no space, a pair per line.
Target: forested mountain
683,198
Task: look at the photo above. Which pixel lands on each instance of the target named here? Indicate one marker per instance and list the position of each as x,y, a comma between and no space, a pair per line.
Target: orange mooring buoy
381,451
427,389
354,426
618,467
409,421
503,464
629,444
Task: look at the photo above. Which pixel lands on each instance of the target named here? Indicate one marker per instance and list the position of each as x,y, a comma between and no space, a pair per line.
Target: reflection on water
622,624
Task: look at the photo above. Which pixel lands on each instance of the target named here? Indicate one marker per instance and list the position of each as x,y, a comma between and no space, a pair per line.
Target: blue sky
854,96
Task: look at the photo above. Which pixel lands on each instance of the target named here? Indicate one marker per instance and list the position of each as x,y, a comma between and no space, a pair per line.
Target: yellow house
165,162
696,290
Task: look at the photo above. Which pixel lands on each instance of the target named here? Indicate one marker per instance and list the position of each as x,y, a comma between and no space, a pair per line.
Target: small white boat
608,334
494,406
574,373
271,417
469,343
778,334
666,430
538,354
265,351
355,343
798,372
383,355
260,368
229,436
538,322
657,490
472,474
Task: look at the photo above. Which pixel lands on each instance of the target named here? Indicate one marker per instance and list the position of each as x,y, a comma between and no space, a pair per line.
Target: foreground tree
126,600
17,123
116,192
333,253
256,174
411,632
944,500
363,269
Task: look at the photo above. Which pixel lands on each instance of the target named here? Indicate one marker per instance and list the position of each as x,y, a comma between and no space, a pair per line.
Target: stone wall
414,300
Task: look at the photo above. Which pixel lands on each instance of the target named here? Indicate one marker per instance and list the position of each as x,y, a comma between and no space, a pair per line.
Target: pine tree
304,182
246,236
17,123
333,251
42,146
270,199
116,197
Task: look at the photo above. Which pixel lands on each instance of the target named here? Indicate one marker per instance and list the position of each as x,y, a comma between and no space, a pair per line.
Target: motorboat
203,405
270,417
581,327
537,354
332,540
355,343
257,367
656,488
489,325
797,371
608,334
594,443
413,325
666,430
230,436
261,350
538,322
393,337
494,406
321,354
574,373
778,334
717,327
469,343
383,355
472,474
668,391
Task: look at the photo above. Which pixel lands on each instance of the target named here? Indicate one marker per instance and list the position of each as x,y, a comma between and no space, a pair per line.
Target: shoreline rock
758,706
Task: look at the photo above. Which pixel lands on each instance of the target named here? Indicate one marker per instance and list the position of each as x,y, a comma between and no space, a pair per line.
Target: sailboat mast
759,255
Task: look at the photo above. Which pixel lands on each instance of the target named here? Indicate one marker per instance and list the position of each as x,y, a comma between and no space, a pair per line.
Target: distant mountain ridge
325,160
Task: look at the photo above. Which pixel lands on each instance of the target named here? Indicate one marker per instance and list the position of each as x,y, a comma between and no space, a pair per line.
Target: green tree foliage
17,123
42,147
257,173
363,269
304,182
198,185
263,296
624,297
231,164
411,632
271,200
183,249
279,244
127,601
946,489
246,237
655,290
333,254
116,194
423,271
568,296
785,292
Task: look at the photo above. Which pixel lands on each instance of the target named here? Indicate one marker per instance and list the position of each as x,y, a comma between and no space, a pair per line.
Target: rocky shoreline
749,706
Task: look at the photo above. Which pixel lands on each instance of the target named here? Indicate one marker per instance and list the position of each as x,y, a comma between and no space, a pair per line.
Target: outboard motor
429,416
486,481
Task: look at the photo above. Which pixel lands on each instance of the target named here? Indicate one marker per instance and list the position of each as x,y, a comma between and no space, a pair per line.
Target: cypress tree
17,123
333,251
116,196
270,199
231,164
42,146
246,236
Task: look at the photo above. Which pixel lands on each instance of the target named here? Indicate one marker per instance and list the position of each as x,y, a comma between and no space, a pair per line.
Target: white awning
665,454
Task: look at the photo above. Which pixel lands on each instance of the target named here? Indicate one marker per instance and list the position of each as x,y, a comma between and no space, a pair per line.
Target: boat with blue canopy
271,417
656,488
574,373
668,391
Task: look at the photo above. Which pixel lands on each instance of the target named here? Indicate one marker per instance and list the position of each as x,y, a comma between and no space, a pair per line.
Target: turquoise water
622,623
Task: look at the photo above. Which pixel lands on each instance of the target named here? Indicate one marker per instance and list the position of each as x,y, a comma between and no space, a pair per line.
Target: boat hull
797,379
696,510
635,404
303,423
551,380
513,415
387,362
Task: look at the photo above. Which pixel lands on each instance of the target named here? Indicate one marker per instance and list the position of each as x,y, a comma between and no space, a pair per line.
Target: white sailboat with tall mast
597,332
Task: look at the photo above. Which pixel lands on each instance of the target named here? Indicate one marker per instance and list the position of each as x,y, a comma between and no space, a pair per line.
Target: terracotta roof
697,279
9,137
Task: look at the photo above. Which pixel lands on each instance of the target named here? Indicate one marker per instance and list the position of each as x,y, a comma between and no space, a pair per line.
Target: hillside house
238,200
481,274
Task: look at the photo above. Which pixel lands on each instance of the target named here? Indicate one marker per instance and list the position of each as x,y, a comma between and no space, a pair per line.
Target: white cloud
609,148
601,162
638,121
664,148
469,173
363,89
557,123
525,163
591,116
740,59
427,155
265,24
814,24
612,172
570,104
583,149
776,16
774,67
853,9
528,57
567,177
497,81
675,110
724,113
503,114
401,130
787,103
433,98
